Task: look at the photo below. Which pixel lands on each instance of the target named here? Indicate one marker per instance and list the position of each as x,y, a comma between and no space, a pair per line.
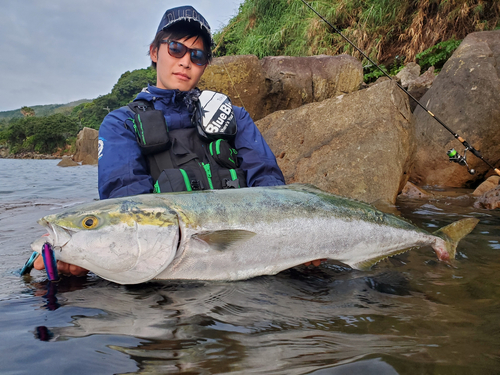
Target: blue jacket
123,170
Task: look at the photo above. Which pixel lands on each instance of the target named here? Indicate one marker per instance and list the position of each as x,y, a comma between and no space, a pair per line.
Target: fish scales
235,234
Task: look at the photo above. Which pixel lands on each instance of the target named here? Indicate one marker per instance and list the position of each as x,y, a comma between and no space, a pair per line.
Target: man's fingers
62,267
315,263
77,271
38,264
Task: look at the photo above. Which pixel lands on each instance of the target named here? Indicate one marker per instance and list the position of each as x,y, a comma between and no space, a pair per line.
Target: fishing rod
453,155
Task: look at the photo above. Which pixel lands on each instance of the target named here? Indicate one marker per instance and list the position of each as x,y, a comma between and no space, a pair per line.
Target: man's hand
315,263
63,268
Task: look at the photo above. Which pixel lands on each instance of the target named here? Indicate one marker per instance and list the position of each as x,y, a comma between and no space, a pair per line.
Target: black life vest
182,160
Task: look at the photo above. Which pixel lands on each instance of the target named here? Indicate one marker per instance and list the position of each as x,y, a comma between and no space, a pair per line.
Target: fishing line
232,83
452,154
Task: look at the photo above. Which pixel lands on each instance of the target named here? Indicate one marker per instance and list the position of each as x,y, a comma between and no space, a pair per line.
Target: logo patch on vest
214,116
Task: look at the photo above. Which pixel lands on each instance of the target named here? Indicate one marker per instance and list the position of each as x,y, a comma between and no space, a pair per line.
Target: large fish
232,234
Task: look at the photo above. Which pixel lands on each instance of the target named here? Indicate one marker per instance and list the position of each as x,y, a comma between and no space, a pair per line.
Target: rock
417,93
30,155
489,200
277,83
414,192
380,80
67,161
89,160
419,87
86,144
489,184
295,81
465,96
239,77
358,145
408,74
424,81
4,151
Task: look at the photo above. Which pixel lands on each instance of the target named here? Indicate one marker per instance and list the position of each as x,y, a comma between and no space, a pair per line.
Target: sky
59,51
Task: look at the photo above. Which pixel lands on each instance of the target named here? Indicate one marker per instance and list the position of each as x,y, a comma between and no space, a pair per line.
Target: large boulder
466,97
276,83
86,145
239,77
358,145
295,81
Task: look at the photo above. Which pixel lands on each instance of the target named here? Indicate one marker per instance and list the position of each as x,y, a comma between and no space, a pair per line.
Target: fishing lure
49,261
28,266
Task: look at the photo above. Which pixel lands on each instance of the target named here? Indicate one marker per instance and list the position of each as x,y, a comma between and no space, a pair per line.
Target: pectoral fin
222,239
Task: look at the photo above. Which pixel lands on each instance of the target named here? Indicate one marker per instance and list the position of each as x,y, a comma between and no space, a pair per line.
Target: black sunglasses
178,50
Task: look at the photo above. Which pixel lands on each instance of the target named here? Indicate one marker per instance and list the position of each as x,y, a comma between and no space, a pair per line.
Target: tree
27,111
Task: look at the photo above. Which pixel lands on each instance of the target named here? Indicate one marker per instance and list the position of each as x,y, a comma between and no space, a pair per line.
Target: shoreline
31,155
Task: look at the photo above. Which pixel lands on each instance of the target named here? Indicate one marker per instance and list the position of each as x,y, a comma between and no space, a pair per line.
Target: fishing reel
460,159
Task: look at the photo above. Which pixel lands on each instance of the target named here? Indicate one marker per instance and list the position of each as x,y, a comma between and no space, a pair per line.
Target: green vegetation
437,55
123,92
45,134
383,29
42,110
39,134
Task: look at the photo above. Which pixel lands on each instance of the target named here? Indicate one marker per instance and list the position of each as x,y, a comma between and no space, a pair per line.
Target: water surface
408,315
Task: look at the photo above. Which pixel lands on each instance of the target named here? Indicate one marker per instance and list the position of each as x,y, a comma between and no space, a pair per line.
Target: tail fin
451,235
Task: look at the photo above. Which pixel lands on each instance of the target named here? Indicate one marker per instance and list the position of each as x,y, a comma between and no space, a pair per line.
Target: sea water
410,314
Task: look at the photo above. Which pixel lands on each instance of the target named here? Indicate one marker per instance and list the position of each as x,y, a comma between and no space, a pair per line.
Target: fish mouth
57,236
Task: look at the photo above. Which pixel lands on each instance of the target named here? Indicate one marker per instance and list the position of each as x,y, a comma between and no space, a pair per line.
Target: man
180,54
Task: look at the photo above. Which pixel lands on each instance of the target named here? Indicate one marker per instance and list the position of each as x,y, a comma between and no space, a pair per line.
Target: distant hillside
44,110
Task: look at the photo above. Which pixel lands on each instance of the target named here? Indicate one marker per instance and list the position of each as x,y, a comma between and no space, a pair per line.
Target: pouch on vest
151,131
224,154
173,180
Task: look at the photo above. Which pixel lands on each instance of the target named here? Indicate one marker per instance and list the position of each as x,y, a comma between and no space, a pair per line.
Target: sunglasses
178,50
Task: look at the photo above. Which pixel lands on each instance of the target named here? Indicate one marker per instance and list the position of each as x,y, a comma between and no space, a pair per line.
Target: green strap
186,180
217,146
156,188
234,176
142,129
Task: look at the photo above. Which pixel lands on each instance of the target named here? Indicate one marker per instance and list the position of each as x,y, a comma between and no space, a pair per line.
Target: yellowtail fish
233,234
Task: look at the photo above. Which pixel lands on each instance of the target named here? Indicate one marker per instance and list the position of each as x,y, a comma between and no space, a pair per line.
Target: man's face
173,73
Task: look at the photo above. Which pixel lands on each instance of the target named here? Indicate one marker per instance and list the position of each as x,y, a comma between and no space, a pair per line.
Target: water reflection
410,315
296,322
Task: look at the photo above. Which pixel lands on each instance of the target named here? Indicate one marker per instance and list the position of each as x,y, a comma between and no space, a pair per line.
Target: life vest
191,158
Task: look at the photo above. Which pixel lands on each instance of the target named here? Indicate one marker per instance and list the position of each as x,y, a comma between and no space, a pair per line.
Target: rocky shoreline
364,142
30,155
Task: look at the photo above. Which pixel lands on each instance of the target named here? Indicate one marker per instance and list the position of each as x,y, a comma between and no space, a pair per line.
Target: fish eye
90,222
